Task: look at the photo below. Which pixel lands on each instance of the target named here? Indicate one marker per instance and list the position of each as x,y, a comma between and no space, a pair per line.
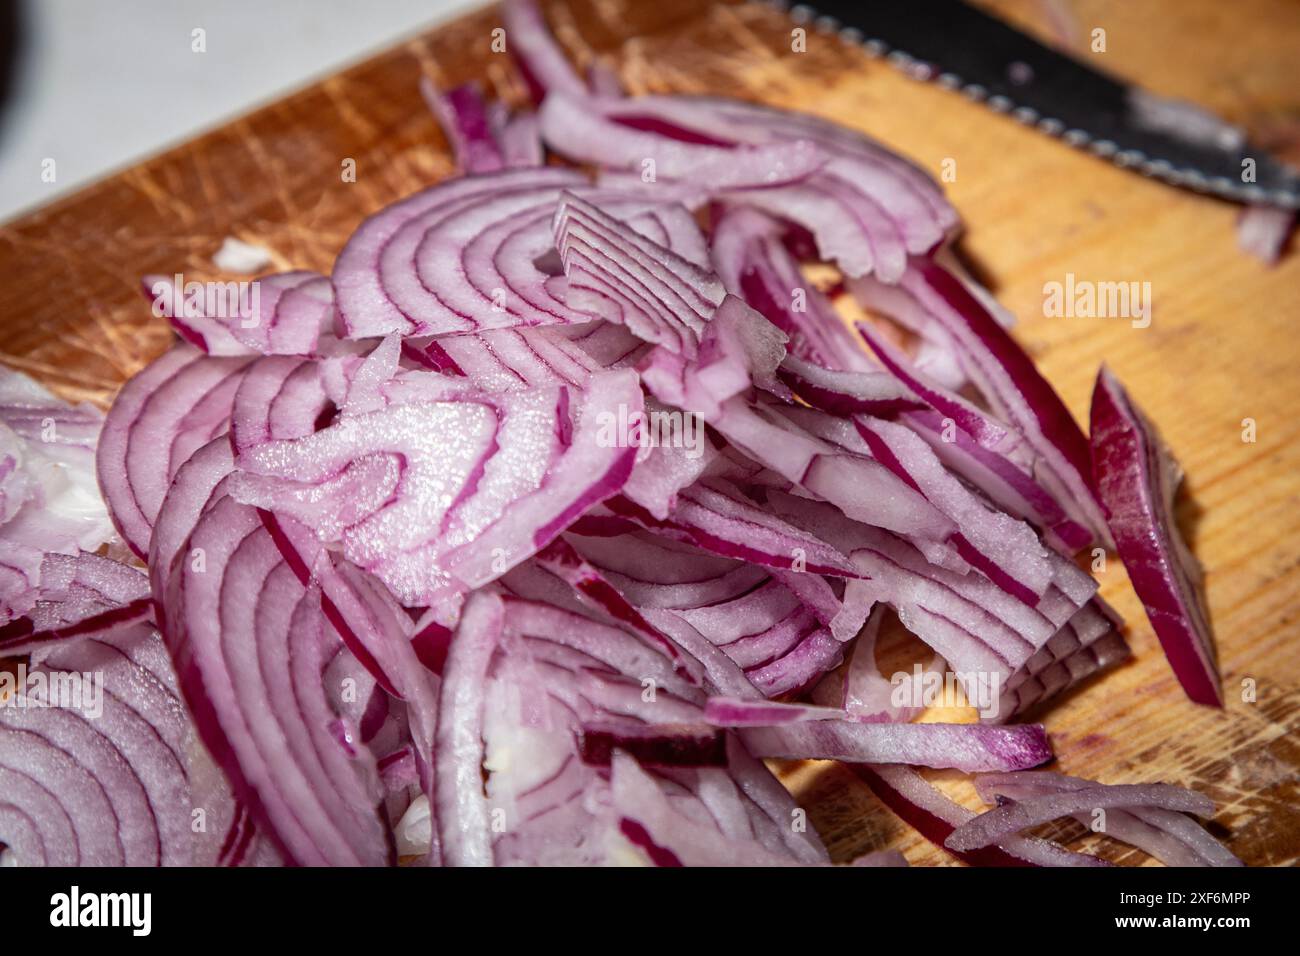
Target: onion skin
1136,477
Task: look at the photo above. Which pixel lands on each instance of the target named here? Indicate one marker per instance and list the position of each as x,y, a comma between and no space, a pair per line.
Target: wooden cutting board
1221,348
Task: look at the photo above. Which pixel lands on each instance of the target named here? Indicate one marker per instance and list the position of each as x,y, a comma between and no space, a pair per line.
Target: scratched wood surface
1221,347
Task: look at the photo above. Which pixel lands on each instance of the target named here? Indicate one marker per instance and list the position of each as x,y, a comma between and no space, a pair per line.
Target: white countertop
101,84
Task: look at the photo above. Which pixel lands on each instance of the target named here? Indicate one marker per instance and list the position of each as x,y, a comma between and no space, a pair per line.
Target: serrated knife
988,61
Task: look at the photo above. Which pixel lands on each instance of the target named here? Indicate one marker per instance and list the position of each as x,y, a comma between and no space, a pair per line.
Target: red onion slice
866,694
1008,552
1005,375
378,283
919,804
968,747
866,207
975,626
1137,478
1087,644
615,133
716,516
178,403
463,115
1262,231
429,586
730,712
540,58
520,139
670,838
753,262
49,499
79,597
274,744
1171,837
429,523
997,824
281,314
145,723
617,274
847,393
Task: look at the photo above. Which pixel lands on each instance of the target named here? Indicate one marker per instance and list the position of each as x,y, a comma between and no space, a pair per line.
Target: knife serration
966,50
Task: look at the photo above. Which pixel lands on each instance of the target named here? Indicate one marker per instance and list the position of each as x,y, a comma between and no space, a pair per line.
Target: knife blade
966,50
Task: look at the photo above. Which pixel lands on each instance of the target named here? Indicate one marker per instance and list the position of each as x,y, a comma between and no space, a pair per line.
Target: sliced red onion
969,747
729,712
658,573
867,208
881,858
1007,551
1087,644
416,562
648,820
374,627
617,274
716,516
283,314
919,804
616,133
1262,231
981,450
1005,375
49,499
861,487
529,677
653,745
910,197
463,813
209,333
785,631
198,484
428,523
534,48
265,724
866,694
979,629
665,468
1137,478
800,667
79,597
72,785
178,403
753,262
147,726
384,277
128,735
280,398
1003,821
1171,837
509,359
559,558
463,115
980,426
520,138
847,393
